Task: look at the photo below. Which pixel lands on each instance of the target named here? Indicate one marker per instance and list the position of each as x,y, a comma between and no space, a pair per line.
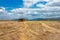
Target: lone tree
21,19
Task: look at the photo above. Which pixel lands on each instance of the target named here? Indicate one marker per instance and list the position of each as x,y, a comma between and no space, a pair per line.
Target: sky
11,3
29,9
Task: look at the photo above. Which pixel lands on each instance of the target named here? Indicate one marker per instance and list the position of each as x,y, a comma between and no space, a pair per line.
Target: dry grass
30,30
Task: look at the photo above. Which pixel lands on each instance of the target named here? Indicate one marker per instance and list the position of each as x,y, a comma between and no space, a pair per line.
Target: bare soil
30,30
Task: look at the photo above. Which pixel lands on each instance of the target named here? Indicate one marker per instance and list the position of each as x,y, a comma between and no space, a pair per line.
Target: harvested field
30,30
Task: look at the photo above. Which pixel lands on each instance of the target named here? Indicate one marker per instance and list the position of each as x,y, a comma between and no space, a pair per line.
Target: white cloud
50,10
29,3
53,2
56,0
29,13
40,5
47,12
4,14
2,9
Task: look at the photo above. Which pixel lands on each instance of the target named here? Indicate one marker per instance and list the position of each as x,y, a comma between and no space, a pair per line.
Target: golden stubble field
30,30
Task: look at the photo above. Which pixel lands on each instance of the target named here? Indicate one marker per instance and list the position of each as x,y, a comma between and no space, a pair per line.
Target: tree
21,19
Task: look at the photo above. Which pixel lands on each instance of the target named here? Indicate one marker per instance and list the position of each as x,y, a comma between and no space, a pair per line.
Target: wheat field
30,30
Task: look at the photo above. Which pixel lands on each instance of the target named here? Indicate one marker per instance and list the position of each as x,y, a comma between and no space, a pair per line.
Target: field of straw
30,30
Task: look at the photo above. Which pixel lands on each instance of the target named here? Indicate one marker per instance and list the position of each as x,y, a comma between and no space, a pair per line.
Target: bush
21,19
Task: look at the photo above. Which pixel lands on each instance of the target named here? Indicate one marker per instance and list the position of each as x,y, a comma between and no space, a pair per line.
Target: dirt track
29,30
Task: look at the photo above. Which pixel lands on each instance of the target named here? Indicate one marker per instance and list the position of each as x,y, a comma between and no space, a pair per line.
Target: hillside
30,30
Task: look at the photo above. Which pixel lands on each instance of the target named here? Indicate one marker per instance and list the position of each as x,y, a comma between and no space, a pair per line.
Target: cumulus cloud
29,13
4,14
50,10
54,3
29,3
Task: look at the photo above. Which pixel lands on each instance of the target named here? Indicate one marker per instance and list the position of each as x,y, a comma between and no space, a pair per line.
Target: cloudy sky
29,9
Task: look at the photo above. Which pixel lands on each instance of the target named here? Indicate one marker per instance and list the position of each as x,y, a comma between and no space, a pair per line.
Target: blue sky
15,9
10,4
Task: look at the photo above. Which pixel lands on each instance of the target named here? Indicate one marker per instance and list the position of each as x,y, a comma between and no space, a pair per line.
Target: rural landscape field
30,30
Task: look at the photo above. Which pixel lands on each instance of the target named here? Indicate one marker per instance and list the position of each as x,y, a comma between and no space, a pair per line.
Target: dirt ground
30,30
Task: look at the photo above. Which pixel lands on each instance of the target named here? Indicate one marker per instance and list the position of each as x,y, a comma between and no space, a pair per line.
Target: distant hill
34,19
46,19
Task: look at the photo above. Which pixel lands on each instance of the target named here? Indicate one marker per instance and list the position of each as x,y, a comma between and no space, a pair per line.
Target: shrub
21,19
